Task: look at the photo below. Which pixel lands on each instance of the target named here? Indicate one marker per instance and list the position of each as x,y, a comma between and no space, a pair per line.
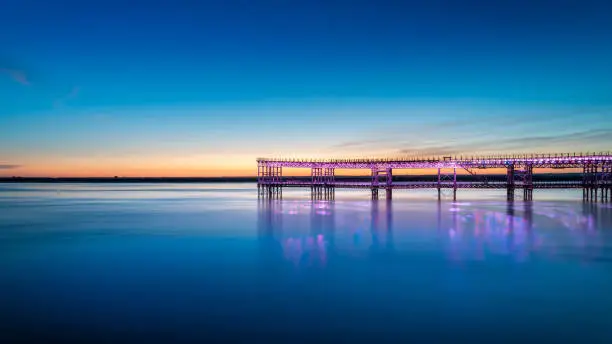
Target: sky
203,88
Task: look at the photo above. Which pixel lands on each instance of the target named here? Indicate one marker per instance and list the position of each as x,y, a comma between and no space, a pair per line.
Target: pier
596,170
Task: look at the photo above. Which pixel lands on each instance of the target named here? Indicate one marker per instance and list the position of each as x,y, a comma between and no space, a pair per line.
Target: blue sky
204,87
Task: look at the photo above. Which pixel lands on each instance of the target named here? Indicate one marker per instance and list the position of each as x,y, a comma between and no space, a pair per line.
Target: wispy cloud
17,75
74,92
357,144
8,166
581,140
484,131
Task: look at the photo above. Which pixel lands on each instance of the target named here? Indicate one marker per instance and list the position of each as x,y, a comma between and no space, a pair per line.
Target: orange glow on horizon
85,171
209,165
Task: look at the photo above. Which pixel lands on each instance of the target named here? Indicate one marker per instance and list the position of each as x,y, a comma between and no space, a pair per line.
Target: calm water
189,262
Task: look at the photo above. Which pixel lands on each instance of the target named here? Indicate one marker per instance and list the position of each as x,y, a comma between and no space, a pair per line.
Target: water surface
194,262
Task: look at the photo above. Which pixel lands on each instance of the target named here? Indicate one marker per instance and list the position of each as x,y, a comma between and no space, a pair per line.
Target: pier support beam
439,184
448,181
589,182
527,194
322,193
382,175
510,182
527,181
376,193
269,181
454,184
375,179
520,178
382,178
260,173
317,176
389,193
329,176
269,175
606,182
269,191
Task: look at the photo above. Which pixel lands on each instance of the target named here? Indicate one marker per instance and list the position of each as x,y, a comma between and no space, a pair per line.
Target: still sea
210,262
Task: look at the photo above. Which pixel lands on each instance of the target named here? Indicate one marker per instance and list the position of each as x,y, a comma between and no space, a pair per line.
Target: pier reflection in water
312,234
513,268
308,232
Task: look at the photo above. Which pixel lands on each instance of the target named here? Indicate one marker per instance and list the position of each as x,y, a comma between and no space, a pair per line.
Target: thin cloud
354,144
17,75
8,166
393,137
488,135
71,95
581,140
432,150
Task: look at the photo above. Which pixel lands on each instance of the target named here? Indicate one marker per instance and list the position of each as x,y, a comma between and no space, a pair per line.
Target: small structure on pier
596,171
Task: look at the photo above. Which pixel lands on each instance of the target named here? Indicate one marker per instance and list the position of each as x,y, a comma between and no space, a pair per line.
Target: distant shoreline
491,177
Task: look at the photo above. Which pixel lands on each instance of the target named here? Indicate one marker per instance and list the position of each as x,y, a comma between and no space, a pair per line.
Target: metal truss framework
565,160
382,176
269,174
597,179
596,183
322,175
520,177
447,180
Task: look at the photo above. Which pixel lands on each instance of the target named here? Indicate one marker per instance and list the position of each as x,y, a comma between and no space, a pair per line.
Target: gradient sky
200,88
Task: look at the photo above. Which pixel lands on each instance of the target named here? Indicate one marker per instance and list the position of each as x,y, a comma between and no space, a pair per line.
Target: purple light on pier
597,173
